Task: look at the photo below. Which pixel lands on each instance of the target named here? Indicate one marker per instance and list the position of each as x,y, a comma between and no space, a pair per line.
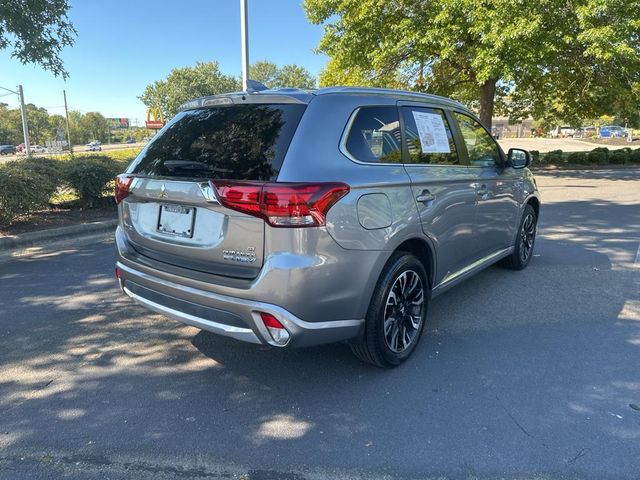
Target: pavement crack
579,455
28,396
514,420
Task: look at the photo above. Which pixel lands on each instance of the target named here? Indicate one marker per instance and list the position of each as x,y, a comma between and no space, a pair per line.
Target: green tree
295,76
548,58
6,126
39,127
36,32
10,125
290,75
94,126
78,136
187,83
57,122
264,72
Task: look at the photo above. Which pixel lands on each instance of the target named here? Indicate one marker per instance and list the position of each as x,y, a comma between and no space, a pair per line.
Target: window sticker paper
432,132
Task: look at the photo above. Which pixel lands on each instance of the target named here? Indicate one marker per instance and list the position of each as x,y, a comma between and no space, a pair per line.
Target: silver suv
295,218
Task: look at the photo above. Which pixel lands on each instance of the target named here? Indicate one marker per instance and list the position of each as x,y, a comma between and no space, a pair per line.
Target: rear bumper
226,315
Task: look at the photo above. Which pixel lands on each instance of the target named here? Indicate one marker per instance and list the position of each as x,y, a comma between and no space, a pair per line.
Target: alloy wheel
403,311
527,237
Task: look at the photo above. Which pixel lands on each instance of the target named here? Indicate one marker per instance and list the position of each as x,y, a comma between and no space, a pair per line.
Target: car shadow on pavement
620,174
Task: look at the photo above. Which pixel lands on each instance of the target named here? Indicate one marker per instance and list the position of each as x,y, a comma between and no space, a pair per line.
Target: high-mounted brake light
281,204
123,182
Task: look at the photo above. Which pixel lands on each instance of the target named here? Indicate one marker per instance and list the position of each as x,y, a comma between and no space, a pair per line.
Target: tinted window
375,136
240,142
482,149
429,138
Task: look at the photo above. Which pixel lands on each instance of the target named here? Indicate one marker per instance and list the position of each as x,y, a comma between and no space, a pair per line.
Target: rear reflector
270,321
281,204
123,182
277,331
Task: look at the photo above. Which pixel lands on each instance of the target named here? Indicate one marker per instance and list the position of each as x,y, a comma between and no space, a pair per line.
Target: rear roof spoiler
238,98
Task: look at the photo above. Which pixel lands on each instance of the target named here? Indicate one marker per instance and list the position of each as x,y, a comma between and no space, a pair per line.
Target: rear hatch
170,196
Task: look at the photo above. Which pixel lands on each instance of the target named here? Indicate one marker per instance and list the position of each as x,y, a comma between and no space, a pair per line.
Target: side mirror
518,158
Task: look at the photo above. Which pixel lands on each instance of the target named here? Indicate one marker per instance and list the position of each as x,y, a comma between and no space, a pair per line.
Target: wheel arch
423,251
535,204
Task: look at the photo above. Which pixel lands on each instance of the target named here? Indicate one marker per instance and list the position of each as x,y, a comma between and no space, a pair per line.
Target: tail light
123,182
281,204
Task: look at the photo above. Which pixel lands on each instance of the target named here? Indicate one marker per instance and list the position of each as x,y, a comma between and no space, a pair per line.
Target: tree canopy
205,78
36,32
44,126
551,58
186,83
290,75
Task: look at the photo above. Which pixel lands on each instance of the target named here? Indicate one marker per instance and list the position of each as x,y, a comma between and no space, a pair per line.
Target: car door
496,187
443,187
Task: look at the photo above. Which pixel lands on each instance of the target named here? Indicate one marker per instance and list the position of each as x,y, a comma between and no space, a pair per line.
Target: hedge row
597,156
28,185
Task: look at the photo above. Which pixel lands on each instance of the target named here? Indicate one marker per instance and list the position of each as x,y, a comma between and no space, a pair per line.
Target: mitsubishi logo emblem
163,191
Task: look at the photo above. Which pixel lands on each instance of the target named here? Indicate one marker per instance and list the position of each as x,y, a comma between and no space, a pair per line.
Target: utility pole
25,125
244,30
66,114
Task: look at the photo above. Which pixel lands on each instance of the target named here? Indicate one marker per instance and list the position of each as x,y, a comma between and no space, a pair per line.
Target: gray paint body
319,281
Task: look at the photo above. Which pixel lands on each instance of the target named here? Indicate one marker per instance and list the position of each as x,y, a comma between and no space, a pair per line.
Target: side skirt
470,270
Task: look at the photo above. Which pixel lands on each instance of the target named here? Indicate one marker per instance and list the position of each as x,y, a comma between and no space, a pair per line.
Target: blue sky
122,46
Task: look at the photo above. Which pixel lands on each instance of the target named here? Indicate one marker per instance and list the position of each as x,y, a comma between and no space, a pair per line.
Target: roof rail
386,91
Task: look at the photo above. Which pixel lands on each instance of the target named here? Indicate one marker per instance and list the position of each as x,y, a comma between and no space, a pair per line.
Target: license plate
176,220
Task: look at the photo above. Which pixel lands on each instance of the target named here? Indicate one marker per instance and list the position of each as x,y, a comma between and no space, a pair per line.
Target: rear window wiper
185,165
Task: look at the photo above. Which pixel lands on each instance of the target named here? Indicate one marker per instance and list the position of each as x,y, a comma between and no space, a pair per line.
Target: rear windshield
238,142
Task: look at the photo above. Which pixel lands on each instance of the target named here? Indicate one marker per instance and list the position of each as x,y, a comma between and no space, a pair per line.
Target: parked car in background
7,150
296,218
585,132
37,149
563,132
92,147
612,131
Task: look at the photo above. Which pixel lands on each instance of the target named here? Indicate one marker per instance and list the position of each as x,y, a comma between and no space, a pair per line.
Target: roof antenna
255,86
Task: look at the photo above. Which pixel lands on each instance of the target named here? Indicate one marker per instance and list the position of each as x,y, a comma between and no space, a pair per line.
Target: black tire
525,241
375,346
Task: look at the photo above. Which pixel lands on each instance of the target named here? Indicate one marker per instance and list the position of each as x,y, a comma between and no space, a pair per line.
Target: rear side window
238,142
429,138
375,136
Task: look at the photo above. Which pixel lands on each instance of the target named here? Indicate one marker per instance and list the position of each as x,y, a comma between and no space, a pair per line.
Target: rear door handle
425,197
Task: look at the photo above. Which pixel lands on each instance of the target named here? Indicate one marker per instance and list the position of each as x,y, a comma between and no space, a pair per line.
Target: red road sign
154,124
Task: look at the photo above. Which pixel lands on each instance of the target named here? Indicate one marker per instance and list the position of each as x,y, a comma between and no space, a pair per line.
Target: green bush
21,192
634,156
598,155
554,157
48,169
535,156
90,176
619,157
578,158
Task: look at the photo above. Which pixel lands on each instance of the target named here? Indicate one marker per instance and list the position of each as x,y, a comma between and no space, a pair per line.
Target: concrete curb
43,237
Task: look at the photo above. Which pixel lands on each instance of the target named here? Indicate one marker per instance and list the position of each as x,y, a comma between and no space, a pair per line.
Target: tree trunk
487,94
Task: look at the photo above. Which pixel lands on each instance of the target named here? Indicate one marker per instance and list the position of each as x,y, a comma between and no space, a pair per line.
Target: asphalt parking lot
531,374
